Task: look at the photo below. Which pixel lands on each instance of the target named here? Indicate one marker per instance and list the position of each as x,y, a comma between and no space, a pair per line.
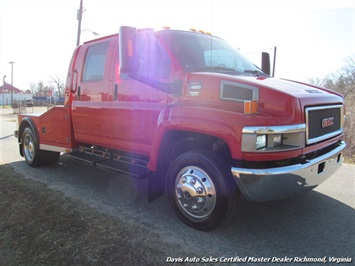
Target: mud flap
156,186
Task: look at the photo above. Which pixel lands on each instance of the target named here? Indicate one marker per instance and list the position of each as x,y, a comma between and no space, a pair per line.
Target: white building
8,92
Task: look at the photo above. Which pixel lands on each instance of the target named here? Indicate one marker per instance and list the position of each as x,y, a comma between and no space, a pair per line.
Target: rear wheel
33,155
200,189
30,148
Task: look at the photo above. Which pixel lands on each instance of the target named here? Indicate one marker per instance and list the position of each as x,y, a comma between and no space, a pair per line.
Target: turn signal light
250,107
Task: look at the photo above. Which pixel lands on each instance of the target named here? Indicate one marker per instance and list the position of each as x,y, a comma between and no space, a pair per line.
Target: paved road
318,224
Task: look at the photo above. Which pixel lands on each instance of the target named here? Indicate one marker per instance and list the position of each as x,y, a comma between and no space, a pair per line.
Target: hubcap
195,192
28,147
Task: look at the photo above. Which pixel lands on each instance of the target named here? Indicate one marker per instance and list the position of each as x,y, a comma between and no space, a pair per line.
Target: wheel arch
175,143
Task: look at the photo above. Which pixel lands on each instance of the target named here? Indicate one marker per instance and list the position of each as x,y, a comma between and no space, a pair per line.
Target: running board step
89,155
123,163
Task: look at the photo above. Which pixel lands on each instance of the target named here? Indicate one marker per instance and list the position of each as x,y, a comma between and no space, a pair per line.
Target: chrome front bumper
284,182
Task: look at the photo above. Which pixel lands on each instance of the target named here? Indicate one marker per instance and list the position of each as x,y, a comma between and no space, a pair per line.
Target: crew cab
194,116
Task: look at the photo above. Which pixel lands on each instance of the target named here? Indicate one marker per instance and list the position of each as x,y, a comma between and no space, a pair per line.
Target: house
10,93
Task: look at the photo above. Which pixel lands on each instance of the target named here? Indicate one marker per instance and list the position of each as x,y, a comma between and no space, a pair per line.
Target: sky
313,37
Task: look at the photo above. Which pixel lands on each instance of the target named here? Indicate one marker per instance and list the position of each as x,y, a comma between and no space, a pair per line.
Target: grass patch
39,226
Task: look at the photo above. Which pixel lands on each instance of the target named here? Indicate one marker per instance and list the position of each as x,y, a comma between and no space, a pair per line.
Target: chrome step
131,165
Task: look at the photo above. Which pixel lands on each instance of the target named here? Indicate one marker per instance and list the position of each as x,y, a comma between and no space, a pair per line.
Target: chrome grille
323,122
234,91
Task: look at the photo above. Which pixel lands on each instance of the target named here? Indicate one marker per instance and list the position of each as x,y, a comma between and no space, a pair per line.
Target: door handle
79,91
115,93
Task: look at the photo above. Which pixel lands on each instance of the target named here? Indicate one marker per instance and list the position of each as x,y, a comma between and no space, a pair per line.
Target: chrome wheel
195,192
28,148
200,188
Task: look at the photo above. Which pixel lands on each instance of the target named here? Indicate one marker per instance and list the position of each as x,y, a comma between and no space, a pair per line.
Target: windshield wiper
256,73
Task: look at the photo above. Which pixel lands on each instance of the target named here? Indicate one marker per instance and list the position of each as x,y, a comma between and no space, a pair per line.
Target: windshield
201,52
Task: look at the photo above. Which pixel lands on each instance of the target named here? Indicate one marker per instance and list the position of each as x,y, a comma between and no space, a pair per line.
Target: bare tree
344,83
41,89
58,83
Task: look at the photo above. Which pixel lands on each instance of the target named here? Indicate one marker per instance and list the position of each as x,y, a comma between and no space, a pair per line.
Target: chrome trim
274,129
329,135
53,148
287,181
293,137
323,137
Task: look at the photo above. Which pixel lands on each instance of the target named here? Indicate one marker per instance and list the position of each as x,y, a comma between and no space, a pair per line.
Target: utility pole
12,80
4,82
79,17
12,72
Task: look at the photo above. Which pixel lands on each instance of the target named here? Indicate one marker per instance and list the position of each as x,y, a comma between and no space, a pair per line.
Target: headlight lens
276,140
260,142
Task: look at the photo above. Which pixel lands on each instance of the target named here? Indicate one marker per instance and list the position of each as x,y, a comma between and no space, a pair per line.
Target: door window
94,66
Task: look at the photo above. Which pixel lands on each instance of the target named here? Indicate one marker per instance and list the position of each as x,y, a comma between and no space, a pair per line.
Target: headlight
273,138
260,142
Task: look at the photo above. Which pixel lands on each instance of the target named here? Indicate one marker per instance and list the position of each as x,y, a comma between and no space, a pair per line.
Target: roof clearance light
250,107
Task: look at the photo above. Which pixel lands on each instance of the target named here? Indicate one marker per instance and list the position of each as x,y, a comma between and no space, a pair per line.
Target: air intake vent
234,91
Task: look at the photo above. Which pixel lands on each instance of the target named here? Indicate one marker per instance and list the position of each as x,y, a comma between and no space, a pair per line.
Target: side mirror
128,49
265,63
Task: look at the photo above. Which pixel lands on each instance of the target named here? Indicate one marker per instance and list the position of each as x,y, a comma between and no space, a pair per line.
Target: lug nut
199,190
200,200
193,181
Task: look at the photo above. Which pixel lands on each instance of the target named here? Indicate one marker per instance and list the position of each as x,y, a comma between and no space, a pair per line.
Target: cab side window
94,66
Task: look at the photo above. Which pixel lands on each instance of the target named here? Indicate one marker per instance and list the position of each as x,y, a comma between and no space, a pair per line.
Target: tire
201,189
30,148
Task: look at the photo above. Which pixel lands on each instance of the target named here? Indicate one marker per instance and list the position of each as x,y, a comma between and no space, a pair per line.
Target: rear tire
201,189
30,148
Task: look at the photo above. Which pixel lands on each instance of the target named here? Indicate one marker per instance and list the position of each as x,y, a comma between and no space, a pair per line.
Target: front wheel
200,189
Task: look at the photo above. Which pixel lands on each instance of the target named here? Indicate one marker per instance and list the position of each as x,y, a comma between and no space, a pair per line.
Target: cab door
91,104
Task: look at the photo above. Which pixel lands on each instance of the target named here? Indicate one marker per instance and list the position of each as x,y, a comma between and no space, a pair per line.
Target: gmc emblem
327,122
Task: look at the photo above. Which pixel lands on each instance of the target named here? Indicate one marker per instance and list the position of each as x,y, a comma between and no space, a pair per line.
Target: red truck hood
277,98
306,93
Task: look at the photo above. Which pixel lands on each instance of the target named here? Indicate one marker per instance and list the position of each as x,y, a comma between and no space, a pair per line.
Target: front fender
202,120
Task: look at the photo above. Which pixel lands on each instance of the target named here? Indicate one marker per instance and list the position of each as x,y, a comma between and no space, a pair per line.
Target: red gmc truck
190,113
